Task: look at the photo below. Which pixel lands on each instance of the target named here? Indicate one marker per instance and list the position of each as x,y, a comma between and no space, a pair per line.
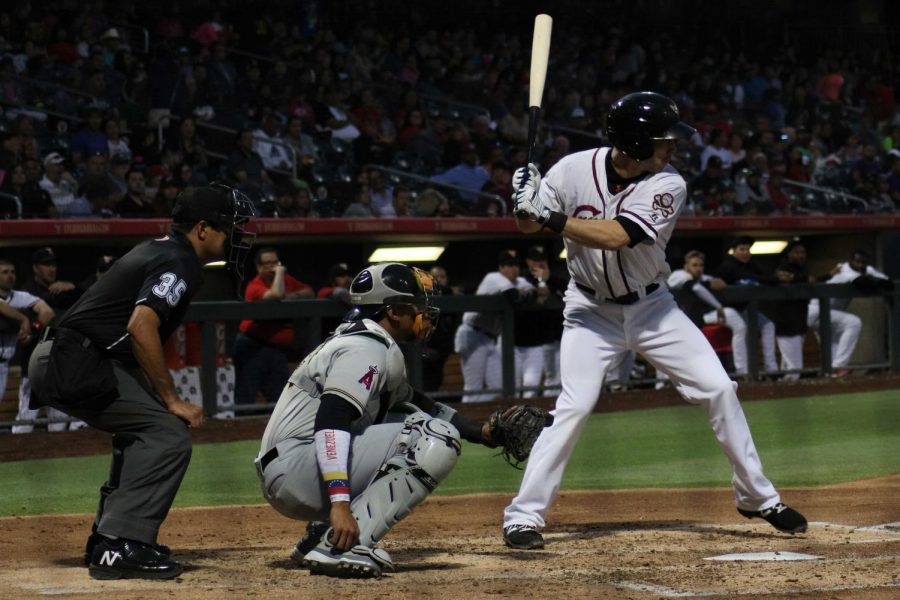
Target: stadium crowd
110,110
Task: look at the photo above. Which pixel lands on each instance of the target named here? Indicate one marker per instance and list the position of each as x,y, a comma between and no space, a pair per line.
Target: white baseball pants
595,332
479,357
529,368
735,322
845,328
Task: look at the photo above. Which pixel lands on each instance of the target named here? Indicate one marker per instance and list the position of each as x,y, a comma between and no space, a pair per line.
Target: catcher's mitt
516,429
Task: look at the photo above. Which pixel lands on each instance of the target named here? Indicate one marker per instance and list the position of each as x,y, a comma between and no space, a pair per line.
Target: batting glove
527,181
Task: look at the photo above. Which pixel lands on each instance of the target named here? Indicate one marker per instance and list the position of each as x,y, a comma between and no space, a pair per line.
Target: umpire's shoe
523,537
129,559
95,538
781,517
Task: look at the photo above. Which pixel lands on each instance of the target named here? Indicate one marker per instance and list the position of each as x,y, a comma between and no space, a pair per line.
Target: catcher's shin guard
427,453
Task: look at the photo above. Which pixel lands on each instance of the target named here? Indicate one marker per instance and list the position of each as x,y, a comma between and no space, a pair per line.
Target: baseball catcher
352,448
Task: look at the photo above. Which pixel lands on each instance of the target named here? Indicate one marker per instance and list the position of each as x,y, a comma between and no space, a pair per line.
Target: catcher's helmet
386,284
635,120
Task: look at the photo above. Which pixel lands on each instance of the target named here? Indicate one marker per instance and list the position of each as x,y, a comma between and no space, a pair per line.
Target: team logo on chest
369,377
664,204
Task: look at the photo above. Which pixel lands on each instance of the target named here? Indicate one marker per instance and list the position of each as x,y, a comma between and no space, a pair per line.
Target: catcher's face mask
238,241
427,316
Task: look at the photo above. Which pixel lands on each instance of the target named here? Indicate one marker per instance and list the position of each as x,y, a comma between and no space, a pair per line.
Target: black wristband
556,222
468,430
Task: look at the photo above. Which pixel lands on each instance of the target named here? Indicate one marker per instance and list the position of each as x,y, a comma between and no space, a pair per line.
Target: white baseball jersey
19,300
846,274
679,277
576,186
493,283
360,363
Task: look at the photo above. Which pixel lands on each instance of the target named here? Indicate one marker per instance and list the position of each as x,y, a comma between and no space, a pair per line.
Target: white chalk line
667,592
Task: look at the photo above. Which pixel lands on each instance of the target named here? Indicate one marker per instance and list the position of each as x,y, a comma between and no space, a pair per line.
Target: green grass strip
802,442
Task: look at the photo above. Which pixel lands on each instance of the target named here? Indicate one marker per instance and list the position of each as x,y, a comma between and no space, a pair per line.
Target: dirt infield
637,544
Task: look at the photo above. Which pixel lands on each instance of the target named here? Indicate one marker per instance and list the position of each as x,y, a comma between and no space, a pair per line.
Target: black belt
267,458
629,298
482,331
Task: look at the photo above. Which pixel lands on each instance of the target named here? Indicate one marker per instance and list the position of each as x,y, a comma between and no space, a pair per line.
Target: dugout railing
209,314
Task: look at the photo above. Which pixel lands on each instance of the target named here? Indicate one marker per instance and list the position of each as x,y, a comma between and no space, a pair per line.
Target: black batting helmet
635,120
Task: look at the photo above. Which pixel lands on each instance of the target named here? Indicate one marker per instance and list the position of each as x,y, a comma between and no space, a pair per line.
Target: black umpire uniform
88,367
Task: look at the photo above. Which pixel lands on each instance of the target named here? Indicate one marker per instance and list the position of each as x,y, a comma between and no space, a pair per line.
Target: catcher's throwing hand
516,429
526,205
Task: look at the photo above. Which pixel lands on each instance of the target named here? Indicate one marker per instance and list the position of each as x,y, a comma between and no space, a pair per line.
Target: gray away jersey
360,363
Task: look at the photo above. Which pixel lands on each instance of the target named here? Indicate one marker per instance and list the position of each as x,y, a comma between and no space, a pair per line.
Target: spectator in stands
500,184
716,146
781,201
752,194
791,317
118,169
692,289
186,147
90,139
333,116
262,348
476,339
400,201
135,204
432,203
303,144
360,206
705,186
513,126
62,187
164,200
223,74
467,174
36,202
269,145
737,155
117,145
738,269
244,165
381,194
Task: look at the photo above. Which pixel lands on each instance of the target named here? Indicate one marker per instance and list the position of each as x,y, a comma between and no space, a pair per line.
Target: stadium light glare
406,254
768,247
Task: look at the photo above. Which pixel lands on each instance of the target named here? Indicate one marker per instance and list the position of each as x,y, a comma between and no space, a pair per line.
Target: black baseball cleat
314,532
129,559
781,517
523,537
95,539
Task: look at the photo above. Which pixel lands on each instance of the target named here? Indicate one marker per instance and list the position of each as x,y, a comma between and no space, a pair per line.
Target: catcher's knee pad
431,444
427,452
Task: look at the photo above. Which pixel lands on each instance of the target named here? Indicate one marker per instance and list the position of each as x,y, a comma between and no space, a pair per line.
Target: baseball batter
338,448
616,208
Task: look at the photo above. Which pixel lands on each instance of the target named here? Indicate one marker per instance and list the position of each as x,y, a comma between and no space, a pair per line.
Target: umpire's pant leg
151,453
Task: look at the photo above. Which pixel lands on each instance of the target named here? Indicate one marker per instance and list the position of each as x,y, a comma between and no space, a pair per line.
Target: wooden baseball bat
540,52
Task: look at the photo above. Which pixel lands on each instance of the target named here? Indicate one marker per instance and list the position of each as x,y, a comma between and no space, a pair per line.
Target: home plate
765,556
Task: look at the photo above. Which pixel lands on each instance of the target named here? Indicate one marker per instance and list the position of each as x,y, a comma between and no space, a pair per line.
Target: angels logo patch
369,377
664,204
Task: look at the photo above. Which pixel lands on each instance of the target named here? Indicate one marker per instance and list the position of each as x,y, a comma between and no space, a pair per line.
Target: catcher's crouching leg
427,452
